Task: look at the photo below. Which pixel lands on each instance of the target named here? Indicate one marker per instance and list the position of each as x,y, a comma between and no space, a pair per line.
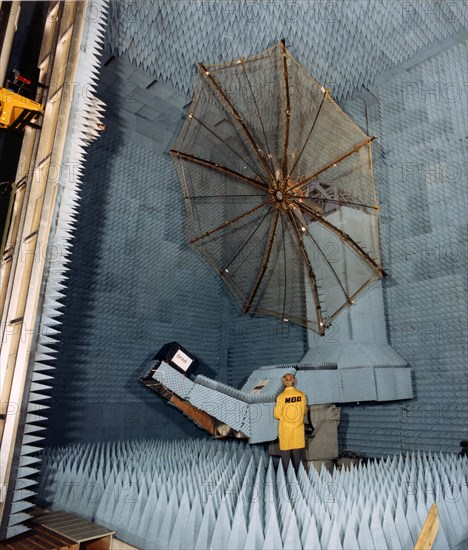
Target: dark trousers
296,456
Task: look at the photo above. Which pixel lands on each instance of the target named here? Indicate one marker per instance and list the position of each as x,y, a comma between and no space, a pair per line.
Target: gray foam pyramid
202,494
168,38
86,113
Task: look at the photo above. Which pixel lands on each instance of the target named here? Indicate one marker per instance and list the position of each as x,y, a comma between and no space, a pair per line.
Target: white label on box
182,360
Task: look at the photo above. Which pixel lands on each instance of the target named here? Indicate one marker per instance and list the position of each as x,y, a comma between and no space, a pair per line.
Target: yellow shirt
290,408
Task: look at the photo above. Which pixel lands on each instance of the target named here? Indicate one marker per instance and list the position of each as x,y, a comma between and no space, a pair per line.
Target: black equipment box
176,356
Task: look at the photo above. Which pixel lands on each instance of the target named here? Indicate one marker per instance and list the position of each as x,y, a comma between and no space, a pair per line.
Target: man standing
290,408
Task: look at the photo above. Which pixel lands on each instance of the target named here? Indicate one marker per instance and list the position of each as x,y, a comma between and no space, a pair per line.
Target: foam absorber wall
200,494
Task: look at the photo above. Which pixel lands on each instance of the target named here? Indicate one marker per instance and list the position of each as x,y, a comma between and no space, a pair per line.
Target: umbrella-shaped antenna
279,189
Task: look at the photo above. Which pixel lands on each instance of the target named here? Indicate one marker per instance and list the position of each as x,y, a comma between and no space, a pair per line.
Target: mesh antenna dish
279,189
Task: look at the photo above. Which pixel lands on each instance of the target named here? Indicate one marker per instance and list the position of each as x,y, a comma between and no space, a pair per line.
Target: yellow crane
17,111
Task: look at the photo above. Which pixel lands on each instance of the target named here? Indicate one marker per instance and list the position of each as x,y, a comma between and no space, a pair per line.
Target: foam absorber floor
200,494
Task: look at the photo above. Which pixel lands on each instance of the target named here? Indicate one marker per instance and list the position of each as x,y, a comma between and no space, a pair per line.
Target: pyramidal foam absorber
156,496
86,112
